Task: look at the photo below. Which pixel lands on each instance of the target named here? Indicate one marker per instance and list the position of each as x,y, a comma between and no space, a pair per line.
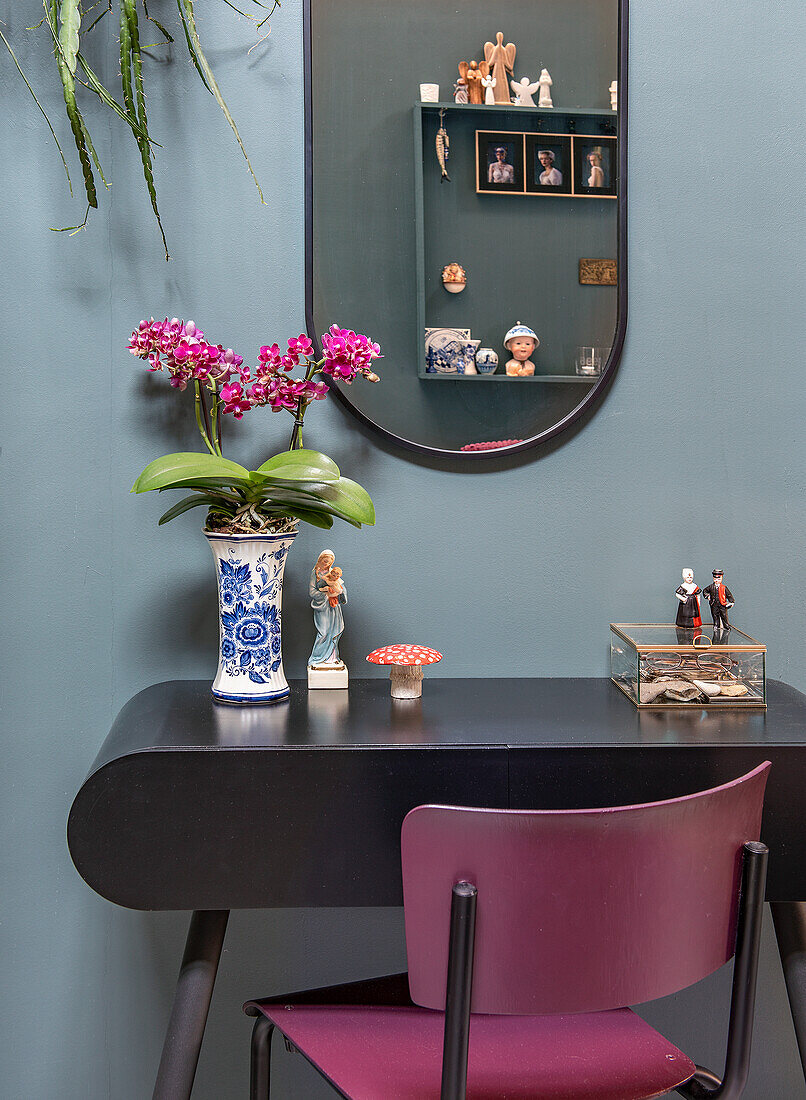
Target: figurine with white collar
688,594
520,341
523,92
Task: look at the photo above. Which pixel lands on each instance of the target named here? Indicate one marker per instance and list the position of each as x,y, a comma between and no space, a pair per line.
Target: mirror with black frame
475,231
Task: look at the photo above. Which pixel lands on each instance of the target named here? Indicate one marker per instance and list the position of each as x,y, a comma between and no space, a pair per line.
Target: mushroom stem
407,681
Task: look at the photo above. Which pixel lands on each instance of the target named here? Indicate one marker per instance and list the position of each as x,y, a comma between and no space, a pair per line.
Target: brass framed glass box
663,665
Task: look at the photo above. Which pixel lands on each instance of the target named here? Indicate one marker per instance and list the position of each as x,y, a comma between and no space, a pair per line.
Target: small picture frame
499,162
549,168
595,166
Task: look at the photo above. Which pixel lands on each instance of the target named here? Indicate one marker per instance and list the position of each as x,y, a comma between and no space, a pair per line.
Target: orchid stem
216,426
199,406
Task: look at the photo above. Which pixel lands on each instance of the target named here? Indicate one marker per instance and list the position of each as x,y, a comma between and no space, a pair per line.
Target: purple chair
528,934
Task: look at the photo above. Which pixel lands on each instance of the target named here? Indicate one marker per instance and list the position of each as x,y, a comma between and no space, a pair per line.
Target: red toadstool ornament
407,663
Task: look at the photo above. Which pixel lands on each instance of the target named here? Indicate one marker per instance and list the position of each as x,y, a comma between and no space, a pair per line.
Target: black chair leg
260,1063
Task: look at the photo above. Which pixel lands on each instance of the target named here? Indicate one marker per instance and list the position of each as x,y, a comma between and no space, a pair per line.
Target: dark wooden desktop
201,806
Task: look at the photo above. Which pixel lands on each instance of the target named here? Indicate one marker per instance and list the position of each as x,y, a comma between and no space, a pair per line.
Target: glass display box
662,665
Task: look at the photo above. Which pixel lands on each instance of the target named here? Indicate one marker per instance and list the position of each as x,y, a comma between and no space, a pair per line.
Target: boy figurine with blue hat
520,341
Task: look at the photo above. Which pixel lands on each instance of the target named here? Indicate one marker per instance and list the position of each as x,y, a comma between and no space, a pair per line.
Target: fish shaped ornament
443,144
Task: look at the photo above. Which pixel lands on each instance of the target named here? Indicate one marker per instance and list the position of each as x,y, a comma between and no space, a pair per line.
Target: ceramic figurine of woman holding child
328,594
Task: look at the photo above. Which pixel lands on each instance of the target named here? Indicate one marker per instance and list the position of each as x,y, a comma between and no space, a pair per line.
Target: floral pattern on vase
250,590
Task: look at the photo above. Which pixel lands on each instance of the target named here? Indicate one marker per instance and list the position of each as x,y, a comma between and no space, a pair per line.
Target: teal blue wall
697,456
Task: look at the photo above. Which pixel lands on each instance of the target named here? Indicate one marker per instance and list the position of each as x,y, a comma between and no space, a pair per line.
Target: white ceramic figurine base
335,677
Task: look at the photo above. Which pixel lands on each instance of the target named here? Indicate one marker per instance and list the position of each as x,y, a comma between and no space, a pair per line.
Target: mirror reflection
465,184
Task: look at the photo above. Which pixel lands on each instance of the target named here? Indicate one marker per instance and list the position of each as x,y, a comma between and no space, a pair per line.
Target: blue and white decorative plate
439,358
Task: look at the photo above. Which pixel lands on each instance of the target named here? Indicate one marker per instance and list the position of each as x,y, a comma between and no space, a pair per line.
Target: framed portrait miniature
595,166
499,162
548,164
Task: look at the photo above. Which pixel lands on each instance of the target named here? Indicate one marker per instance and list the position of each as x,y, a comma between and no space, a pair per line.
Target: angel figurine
501,60
488,83
523,92
460,91
473,73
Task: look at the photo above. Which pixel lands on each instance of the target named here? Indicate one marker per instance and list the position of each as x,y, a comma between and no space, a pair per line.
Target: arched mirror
475,229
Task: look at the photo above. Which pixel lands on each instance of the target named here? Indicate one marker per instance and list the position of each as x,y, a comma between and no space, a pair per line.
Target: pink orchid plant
298,484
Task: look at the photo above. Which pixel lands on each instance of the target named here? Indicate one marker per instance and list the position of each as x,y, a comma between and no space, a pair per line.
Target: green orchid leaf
316,519
194,502
214,485
346,492
343,497
177,469
287,498
284,501
300,465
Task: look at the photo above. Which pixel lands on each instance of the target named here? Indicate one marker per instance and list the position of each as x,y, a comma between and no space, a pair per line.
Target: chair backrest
579,910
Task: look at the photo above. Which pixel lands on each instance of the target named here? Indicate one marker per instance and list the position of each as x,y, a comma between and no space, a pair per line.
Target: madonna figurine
688,613
328,594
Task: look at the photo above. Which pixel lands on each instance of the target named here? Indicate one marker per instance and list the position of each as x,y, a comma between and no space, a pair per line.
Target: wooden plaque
597,272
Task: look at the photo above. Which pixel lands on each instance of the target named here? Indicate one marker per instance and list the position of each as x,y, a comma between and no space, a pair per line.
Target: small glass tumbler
590,360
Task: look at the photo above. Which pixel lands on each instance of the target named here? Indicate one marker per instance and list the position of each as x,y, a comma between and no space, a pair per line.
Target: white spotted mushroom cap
404,655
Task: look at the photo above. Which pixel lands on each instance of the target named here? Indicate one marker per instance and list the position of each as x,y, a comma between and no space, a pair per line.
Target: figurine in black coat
720,598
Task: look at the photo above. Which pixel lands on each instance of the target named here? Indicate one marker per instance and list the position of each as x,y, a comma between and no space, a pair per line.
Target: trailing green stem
73,113
206,73
130,60
39,105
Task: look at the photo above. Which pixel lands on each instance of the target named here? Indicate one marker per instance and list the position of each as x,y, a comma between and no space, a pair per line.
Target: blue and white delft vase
250,594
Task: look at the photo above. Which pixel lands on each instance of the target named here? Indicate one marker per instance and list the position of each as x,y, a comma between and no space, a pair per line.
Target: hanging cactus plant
63,22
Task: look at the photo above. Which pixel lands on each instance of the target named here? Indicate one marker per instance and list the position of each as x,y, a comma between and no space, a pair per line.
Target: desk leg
194,991
789,918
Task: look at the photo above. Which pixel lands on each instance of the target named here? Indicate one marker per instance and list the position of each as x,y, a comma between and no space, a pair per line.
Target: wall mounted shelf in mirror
525,194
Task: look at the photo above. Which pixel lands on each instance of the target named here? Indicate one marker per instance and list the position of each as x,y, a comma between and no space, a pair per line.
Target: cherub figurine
721,600
460,91
523,92
501,60
521,341
488,83
545,83
473,73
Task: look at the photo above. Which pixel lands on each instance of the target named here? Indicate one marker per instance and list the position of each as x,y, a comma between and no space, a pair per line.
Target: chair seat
396,1053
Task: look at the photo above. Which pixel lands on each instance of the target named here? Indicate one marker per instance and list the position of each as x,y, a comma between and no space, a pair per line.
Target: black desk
200,806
